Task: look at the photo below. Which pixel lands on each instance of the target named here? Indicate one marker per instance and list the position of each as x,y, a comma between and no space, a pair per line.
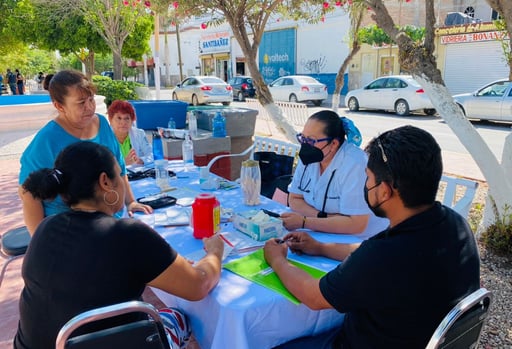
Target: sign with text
277,54
473,37
214,42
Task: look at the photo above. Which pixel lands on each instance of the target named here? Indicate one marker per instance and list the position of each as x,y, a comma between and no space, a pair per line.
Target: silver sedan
490,102
298,88
197,90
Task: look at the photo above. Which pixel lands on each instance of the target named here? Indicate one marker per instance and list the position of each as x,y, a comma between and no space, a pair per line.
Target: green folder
253,267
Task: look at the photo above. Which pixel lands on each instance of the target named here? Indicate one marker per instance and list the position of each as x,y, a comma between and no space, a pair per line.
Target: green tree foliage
114,20
115,89
374,35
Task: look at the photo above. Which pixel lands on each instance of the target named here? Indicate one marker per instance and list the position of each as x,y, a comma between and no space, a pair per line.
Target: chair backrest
462,326
277,146
459,202
141,334
276,160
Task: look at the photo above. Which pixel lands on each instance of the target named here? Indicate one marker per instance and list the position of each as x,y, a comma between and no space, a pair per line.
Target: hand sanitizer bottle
187,151
192,124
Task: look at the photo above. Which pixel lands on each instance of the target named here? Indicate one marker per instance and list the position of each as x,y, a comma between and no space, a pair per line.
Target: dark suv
242,87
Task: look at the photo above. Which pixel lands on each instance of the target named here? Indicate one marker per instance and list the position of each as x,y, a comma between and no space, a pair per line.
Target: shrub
498,236
115,89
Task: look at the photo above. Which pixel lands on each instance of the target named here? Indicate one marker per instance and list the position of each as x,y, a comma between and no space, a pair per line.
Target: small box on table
260,231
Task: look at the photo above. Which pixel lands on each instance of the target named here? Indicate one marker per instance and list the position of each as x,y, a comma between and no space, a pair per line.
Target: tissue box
258,231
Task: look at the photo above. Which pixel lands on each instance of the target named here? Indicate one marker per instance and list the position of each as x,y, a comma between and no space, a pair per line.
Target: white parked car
298,88
490,102
197,90
400,93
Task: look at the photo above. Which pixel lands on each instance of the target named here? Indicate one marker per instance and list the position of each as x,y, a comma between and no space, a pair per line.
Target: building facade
468,53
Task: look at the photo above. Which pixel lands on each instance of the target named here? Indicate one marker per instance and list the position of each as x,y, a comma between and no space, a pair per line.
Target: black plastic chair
141,334
276,171
461,328
13,245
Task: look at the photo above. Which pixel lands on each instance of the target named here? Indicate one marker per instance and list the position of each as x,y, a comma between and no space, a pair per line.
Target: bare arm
301,242
133,205
298,282
33,211
337,223
193,282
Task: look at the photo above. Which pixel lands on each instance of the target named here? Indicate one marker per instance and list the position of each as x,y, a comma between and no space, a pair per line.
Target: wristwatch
322,214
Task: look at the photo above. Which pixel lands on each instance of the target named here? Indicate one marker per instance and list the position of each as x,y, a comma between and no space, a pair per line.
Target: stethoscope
305,190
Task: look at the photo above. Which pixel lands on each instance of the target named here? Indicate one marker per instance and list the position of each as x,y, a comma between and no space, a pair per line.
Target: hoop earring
105,197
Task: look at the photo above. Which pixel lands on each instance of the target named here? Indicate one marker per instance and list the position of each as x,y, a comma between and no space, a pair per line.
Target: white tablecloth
239,314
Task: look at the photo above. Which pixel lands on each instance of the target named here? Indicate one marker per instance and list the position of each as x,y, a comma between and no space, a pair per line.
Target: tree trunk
419,60
339,82
118,63
262,91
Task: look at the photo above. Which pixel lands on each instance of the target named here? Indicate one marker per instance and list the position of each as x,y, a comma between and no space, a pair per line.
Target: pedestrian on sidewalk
11,80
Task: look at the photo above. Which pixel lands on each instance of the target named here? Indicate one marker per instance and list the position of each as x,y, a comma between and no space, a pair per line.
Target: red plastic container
205,215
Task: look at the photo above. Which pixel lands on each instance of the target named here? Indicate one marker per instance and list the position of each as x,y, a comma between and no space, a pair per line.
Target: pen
226,240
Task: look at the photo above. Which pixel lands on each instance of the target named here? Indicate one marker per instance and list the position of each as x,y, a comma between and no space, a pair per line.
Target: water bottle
158,151
171,124
187,152
192,124
219,125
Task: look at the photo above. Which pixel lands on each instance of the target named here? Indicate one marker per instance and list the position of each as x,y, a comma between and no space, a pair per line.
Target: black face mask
309,154
375,209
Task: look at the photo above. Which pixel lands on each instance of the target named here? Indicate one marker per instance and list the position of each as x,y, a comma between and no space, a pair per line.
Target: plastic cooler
152,114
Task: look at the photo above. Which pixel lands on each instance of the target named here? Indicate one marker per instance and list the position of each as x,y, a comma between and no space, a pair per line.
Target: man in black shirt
396,287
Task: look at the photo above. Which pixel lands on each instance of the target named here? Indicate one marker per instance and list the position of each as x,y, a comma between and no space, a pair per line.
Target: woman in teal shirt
72,95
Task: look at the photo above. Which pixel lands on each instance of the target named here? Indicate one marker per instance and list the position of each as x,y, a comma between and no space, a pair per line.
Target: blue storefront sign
277,54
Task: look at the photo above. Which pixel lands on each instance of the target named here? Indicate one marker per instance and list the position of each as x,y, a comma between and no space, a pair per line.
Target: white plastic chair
461,205
277,146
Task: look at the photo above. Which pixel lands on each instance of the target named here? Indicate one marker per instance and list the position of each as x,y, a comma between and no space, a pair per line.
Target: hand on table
292,221
214,245
301,242
274,251
136,206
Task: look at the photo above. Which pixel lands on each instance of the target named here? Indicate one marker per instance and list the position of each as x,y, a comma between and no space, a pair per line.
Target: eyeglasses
311,141
385,158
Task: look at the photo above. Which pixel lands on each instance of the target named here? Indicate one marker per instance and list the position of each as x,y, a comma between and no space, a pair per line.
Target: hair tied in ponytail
57,175
352,132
